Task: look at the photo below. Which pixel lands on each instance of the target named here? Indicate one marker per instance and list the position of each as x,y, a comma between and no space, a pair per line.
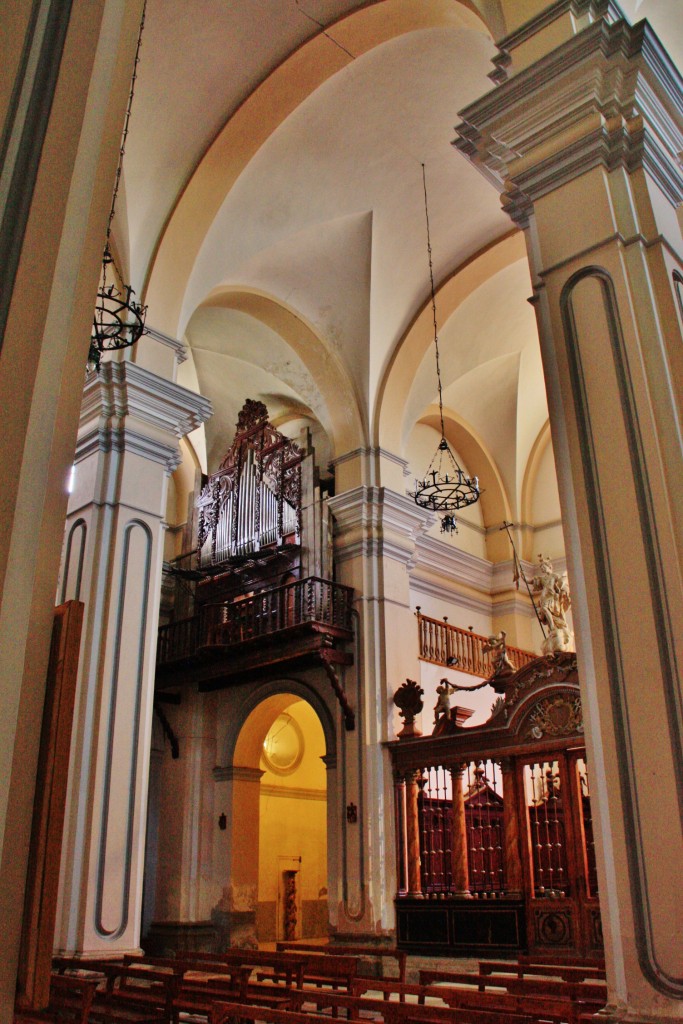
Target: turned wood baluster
514,877
401,839
413,833
461,882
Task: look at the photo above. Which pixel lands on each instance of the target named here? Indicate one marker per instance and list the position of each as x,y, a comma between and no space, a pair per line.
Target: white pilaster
131,420
584,143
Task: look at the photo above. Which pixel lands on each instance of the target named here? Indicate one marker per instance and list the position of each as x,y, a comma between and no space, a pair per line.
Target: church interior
261,682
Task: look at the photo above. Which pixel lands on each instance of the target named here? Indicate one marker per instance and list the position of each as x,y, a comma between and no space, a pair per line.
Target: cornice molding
179,347
580,10
377,522
293,792
371,452
441,559
128,408
610,96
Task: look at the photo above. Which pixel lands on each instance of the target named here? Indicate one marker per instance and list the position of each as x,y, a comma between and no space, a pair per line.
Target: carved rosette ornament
408,700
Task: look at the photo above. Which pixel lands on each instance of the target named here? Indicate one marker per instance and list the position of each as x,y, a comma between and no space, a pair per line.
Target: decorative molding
237,773
588,10
293,792
610,96
444,592
125,699
179,347
437,557
123,392
372,452
377,522
618,663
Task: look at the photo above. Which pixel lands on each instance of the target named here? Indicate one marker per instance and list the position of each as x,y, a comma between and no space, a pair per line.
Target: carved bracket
347,710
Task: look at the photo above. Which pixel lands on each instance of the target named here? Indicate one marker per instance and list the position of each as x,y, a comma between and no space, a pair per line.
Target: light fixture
445,488
119,320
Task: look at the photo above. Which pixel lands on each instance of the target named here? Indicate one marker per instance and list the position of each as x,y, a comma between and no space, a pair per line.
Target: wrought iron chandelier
445,488
119,320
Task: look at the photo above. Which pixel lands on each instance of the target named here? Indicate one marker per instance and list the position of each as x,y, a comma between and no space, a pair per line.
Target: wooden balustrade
447,645
311,600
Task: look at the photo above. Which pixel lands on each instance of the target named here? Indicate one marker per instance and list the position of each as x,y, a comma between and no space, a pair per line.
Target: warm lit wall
293,810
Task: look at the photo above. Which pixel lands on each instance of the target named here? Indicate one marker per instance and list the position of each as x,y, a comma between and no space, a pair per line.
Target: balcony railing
447,645
312,600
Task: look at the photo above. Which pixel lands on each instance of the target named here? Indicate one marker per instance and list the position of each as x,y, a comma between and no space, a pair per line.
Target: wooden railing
312,600
447,645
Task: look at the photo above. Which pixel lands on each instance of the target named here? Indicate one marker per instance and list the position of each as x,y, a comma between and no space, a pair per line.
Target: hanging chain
124,136
431,282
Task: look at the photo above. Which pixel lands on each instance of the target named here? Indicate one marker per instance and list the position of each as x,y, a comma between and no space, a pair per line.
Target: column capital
609,96
128,408
375,521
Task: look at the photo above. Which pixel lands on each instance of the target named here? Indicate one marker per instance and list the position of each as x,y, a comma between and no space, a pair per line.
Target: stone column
375,533
584,142
460,861
131,420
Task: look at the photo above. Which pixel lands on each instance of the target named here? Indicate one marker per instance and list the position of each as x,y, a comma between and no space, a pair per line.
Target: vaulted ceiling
273,214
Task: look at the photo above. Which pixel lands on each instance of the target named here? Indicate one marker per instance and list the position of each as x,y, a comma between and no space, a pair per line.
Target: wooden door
563,913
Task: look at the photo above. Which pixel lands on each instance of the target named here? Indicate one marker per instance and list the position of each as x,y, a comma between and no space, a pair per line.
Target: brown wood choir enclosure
494,836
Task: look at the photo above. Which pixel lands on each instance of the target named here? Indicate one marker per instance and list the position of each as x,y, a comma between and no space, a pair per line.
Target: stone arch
236,917
344,424
536,454
256,696
388,422
264,110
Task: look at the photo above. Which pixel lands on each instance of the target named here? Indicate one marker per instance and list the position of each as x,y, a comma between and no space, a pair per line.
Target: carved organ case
261,519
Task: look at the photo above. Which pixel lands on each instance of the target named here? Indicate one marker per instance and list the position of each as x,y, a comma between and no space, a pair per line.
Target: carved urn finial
408,700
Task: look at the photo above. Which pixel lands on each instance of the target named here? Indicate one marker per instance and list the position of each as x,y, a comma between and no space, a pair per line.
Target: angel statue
500,661
442,708
552,590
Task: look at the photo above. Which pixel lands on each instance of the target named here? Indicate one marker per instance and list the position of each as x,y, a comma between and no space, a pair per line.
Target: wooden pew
124,993
201,979
379,952
547,999
400,1010
567,972
328,969
289,967
71,998
392,1013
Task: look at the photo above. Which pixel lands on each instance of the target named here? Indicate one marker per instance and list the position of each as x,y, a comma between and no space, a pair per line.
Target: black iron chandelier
119,320
445,488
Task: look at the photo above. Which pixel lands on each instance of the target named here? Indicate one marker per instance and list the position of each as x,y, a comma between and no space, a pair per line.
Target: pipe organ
254,501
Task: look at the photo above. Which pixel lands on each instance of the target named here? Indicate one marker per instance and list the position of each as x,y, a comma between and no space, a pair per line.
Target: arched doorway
279,819
292,887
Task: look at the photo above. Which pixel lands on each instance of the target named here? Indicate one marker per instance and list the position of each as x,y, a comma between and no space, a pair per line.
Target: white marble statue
551,590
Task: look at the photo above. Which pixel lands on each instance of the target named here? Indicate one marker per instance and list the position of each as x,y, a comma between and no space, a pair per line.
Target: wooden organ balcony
263,598
494,836
277,624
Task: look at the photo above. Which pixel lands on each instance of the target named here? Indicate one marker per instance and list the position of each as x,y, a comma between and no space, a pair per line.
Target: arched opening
279,821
